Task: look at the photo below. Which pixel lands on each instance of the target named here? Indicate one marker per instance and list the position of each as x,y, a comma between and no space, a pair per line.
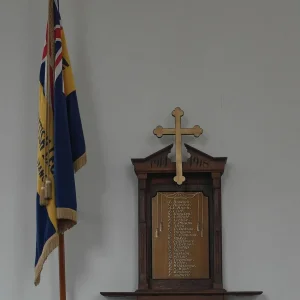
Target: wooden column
143,282
217,283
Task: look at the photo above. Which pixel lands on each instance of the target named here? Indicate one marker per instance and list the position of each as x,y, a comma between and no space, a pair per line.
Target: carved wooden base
181,295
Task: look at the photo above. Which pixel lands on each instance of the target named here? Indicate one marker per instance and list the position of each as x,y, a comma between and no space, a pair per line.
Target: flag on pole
61,146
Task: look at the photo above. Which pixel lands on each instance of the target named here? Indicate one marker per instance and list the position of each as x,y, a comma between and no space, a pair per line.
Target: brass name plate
180,236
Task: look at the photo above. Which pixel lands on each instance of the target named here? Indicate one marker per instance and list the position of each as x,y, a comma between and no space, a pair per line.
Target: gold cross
159,131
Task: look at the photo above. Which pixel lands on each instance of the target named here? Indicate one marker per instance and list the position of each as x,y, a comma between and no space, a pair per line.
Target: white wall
234,68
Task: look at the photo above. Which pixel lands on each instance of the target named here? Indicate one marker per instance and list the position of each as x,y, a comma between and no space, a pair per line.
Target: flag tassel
43,201
48,190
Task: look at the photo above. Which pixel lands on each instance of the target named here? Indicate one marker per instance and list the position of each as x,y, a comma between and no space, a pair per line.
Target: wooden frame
203,173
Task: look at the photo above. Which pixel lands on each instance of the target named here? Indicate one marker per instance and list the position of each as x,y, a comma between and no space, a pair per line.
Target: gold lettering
186,253
48,159
181,235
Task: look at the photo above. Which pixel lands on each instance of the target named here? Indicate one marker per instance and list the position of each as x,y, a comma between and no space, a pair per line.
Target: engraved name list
180,235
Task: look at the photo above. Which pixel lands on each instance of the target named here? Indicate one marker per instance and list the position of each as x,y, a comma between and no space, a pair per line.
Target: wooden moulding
181,293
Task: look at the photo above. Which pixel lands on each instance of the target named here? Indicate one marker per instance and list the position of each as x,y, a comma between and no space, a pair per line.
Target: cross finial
159,131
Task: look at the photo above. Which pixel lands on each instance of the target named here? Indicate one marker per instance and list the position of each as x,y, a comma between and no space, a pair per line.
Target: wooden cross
159,131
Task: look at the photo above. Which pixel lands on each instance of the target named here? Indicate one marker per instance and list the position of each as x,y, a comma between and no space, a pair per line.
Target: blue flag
61,146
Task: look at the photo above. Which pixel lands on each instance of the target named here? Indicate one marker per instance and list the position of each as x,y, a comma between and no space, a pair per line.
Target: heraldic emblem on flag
61,146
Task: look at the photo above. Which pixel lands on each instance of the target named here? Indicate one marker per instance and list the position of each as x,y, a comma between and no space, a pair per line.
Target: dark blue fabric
45,229
75,127
42,74
63,163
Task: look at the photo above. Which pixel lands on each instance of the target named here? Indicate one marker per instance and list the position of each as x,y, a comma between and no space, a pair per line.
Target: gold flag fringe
80,162
66,217
50,245
66,213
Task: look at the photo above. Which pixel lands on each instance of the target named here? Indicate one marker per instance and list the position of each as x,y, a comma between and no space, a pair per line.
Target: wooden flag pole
62,272
50,93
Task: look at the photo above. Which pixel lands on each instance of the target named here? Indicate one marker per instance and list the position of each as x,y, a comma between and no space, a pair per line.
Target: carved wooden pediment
201,161
159,162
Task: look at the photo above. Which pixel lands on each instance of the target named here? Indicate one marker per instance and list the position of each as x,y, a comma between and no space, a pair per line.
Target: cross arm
196,131
159,131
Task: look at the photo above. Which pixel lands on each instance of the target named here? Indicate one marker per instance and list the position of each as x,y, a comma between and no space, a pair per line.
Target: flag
61,145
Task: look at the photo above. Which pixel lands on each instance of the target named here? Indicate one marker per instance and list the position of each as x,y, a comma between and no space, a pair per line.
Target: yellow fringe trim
50,245
66,217
80,162
66,213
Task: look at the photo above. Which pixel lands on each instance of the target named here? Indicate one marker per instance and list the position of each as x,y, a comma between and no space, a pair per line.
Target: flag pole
62,272
50,94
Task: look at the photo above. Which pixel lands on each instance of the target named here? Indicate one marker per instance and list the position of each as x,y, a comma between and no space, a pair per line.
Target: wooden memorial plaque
180,231
180,234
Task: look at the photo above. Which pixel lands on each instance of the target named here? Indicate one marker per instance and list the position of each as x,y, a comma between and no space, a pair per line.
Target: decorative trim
67,218
50,245
66,213
80,162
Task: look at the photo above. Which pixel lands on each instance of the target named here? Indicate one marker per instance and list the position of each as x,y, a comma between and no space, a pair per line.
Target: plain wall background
233,66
